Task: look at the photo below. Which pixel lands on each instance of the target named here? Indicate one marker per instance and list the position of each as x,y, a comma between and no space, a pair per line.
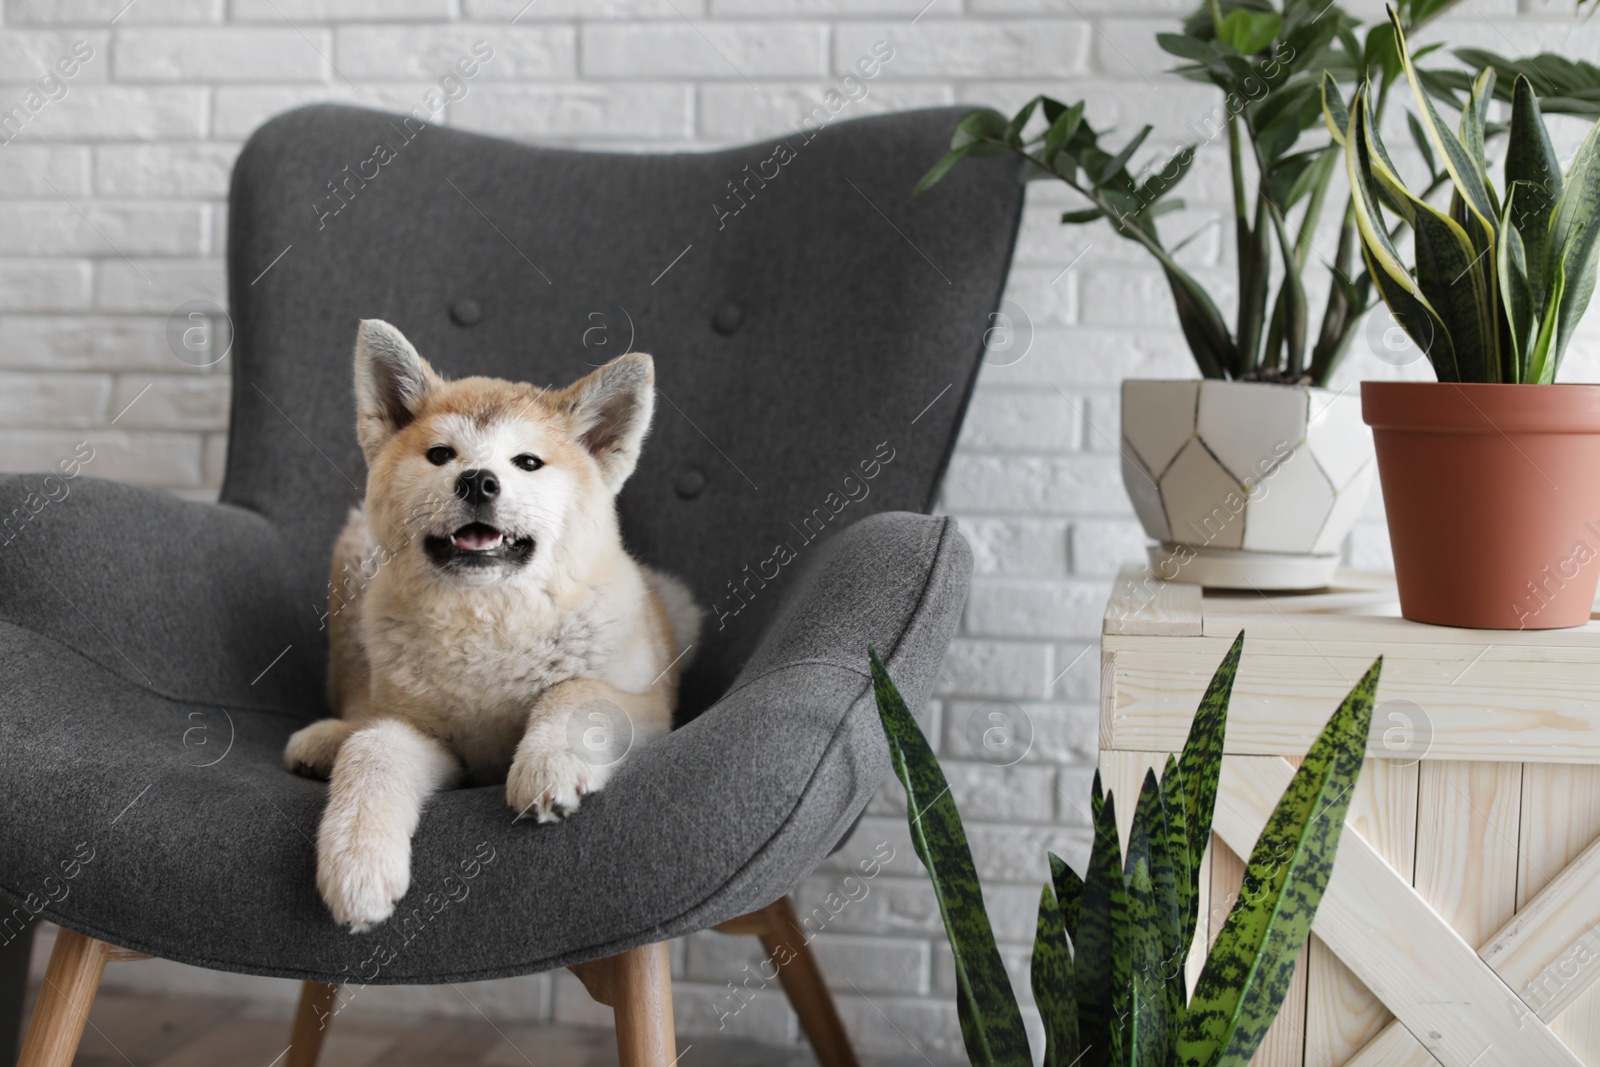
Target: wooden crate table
1461,925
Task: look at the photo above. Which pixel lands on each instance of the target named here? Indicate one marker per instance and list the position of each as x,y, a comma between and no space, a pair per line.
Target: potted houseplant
1108,971
1491,475
1253,475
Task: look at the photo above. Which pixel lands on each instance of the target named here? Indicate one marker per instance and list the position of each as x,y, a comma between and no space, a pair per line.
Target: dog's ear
392,382
610,414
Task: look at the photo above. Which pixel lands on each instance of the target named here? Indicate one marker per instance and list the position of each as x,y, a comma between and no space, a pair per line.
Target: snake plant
1500,280
1108,958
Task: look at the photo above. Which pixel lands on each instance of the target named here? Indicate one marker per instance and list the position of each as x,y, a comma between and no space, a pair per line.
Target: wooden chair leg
59,1017
778,927
311,1021
637,986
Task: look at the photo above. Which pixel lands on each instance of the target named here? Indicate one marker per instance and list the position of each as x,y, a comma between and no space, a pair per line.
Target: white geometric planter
1246,485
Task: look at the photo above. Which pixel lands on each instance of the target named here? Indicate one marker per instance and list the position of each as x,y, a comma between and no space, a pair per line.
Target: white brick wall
111,211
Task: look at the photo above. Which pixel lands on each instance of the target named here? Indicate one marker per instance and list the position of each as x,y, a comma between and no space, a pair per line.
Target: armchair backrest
816,331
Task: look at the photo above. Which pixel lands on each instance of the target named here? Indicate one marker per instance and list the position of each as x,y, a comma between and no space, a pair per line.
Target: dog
485,622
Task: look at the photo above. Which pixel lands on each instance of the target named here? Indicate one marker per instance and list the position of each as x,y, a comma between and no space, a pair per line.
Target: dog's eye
439,455
528,461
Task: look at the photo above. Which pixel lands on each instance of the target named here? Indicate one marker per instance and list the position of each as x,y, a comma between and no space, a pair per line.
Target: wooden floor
149,1031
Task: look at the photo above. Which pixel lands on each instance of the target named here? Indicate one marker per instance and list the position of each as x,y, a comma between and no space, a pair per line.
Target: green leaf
1165,905
1051,976
1152,818
941,168
1105,905
1516,295
1532,162
1299,174
1200,762
1474,117
1114,166
1308,43
1564,85
1249,32
1391,188
1202,324
1334,112
1167,178
1185,47
1419,137
1316,179
1389,275
1381,53
1541,361
1291,316
1069,893
1019,121
1575,240
1088,214
1451,275
1061,130
1175,806
1416,317
1030,171
985,124
1252,960
1234,74
1255,267
1280,136
1457,161
1294,107
1147,1022
991,1024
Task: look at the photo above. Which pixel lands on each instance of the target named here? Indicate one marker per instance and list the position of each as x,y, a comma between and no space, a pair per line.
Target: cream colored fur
542,673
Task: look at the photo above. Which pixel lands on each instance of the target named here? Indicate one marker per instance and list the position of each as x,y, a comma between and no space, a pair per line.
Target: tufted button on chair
814,355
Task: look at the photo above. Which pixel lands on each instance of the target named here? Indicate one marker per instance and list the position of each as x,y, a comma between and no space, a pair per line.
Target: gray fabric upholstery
192,601
155,654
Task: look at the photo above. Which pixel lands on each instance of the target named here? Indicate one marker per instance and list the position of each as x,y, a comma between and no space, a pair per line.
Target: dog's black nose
477,487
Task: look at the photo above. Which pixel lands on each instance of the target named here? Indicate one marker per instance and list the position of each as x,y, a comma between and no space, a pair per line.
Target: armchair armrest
896,580
188,600
794,751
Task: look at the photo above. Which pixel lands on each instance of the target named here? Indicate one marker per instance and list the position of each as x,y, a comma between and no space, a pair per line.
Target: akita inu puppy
500,632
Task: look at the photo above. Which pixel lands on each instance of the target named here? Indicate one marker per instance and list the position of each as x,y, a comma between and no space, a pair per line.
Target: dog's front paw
550,785
363,876
311,750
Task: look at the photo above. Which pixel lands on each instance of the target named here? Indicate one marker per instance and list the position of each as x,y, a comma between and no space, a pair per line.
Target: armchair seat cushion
169,826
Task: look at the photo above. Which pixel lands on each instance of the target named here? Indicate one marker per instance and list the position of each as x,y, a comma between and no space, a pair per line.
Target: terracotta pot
1244,485
1493,498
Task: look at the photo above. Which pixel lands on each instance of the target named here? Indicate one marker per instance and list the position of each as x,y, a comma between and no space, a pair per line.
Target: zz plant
1500,280
1108,959
1267,59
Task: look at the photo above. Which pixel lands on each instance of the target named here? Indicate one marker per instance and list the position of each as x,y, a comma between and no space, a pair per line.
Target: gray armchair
155,654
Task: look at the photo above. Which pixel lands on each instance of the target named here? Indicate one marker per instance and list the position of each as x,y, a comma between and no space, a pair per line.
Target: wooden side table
1462,922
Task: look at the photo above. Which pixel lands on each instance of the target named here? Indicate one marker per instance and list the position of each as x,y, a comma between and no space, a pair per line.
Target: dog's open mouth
477,543
477,537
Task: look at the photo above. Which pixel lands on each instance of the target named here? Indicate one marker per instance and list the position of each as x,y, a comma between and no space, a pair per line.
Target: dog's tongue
476,537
